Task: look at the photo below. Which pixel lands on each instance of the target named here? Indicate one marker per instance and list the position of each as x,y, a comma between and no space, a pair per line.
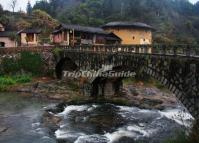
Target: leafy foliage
56,51
174,20
31,63
33,19
1,9
10,66
28,63
29,8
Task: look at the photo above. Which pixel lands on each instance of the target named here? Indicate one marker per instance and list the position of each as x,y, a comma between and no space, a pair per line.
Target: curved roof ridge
88,29
127,24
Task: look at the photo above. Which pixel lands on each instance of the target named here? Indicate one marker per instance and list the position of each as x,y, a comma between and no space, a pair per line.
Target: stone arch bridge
175,66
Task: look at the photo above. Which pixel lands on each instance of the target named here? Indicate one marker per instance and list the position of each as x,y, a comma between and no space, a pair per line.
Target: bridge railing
38,49
183,50
163,49
111,48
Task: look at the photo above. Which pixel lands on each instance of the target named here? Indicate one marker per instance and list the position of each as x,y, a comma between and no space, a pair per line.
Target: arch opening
65,64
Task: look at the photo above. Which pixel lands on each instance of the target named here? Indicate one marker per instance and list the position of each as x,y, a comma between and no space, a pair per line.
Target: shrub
7,81
56,51
31,63
23,79
10,66
28,63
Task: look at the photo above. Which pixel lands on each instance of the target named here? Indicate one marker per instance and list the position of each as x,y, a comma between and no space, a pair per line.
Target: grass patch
7,81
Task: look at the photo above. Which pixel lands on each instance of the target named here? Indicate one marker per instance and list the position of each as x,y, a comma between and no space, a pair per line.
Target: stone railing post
188,51
137,49
175,50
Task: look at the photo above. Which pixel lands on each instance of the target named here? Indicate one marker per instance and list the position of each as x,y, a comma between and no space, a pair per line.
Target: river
20,121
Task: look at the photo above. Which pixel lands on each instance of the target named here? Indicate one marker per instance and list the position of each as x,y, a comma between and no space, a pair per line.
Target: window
2,44
30,37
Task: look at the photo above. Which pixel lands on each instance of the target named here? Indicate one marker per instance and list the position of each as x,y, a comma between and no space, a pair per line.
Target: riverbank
138,94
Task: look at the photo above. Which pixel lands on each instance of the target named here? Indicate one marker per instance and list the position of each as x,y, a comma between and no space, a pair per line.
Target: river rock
151,102
24,90
51,121
125,140
92,139
133,91
56,109
3,129
150,92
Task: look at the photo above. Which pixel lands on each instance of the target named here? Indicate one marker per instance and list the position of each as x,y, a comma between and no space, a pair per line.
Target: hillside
174,20
19,20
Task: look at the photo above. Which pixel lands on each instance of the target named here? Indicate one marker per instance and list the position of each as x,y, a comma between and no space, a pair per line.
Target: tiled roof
37,31
79,28
128,24
86,29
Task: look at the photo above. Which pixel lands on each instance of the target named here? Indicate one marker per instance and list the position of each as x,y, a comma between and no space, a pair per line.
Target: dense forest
174,20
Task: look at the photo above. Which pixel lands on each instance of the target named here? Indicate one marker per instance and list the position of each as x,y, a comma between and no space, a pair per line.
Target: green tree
43,5
22,24
1,9
13,4
29,8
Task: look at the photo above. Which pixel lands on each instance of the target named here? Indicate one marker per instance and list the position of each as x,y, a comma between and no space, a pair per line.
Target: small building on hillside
6,38
131,33
82,35
2,27
29,37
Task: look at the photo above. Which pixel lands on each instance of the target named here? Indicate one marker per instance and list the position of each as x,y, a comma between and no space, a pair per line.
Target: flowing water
92,123
118,124
20,118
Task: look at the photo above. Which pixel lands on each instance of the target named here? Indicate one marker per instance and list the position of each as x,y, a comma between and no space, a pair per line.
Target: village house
5,38
29,37
82,35
131,33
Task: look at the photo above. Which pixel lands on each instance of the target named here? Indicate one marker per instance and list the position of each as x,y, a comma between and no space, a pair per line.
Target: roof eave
127,26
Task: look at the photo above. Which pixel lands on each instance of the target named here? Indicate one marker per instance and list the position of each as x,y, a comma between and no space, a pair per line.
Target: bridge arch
178,73
64,64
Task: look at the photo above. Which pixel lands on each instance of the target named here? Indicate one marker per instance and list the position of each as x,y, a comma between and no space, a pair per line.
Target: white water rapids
140,124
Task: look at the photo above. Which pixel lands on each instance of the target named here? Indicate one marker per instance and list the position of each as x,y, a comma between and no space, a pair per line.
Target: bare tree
13,4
